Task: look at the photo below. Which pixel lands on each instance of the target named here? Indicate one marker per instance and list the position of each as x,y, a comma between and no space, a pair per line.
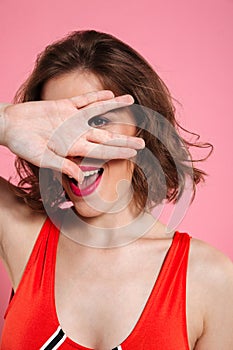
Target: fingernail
109,92
81,178
126,98
133,153
141,143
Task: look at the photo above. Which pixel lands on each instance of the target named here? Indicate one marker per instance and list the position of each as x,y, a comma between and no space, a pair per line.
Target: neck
114,220
107,230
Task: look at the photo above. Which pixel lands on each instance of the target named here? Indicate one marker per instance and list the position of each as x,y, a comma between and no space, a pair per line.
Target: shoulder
14,212
209,263
210,286
211,271
19,228
10,205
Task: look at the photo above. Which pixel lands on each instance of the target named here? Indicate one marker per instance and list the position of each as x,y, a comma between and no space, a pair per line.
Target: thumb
63,165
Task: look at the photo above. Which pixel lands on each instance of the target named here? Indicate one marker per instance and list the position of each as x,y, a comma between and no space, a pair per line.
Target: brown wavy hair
124,71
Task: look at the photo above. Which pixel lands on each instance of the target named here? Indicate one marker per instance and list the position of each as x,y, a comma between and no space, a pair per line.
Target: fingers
75,138
91,97
114,139
102,107
106,152
98,108
63,165
99,151
95,143
71,169
97,96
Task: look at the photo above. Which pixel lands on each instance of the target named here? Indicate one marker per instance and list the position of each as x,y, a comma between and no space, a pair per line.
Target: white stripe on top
52,337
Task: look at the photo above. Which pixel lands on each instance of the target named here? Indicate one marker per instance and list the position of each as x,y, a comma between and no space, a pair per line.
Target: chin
99,202
87,212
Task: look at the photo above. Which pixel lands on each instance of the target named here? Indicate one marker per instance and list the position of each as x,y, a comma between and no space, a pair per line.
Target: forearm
2,123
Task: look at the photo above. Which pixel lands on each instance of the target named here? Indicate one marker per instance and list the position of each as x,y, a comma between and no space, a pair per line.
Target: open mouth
92,178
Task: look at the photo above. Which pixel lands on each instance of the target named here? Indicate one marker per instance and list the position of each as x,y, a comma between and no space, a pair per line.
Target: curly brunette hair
124,71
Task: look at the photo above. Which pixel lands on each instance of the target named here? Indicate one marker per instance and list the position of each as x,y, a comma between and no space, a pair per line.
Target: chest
104,294
103,299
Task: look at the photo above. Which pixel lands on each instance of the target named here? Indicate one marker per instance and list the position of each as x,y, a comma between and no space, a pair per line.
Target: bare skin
209,295
210,273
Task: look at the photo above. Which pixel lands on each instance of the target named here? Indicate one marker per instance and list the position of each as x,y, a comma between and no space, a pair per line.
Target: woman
103,273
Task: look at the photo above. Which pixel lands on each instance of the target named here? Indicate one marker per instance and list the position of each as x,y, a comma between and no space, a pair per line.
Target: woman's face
107,185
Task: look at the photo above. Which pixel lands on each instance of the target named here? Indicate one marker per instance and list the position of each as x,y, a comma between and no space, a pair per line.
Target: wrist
3,107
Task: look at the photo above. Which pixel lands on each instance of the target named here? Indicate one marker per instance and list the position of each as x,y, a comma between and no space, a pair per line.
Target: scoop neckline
148,304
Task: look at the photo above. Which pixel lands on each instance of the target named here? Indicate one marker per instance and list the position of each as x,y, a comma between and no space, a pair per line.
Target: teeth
87,173
91,172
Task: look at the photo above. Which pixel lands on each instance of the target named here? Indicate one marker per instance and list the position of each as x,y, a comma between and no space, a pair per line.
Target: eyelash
97,118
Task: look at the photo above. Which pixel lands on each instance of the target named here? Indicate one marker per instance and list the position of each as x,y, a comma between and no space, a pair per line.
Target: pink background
189,43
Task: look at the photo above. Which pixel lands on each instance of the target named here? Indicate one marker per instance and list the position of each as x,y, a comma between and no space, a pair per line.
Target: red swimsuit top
31,320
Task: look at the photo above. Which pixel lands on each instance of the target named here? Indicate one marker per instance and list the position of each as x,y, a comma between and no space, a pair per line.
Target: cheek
129,129
118,181
120,169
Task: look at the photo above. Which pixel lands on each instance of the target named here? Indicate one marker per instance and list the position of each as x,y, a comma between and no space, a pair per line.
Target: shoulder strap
36,273
162,324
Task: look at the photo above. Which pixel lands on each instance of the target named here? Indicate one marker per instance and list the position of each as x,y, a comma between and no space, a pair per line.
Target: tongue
88,180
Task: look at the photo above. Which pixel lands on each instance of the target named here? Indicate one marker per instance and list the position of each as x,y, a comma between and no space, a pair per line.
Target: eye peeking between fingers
98,121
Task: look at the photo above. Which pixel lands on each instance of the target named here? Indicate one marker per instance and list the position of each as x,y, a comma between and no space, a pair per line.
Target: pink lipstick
92,178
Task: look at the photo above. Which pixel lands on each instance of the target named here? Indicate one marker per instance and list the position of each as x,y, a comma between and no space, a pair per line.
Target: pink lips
88,168
81,192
